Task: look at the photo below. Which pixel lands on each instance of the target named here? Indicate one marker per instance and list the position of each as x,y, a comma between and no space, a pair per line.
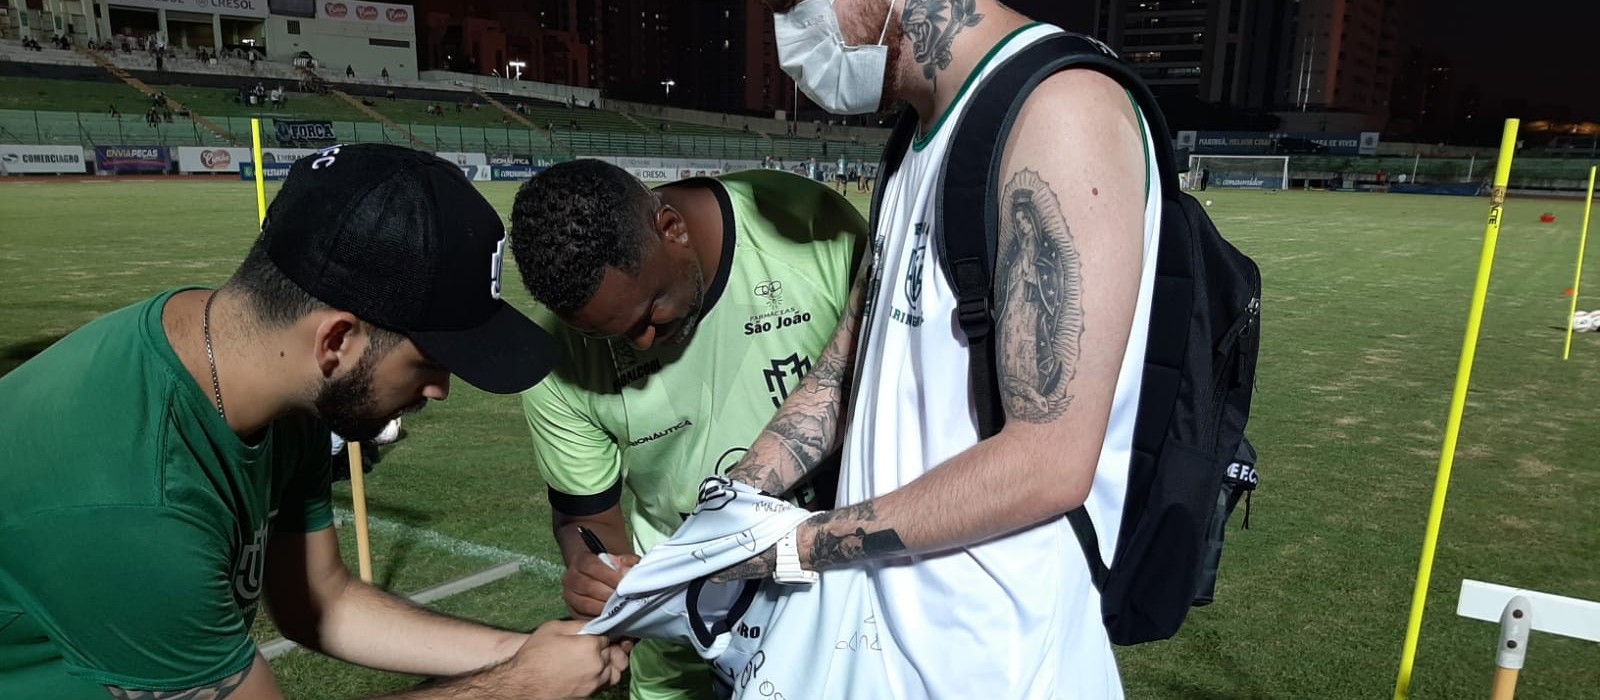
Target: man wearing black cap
167,464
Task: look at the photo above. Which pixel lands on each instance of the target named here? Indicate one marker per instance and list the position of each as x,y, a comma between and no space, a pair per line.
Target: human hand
558,662
588,583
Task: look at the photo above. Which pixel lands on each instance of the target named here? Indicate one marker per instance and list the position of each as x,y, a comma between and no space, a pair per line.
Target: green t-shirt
658,422
133,522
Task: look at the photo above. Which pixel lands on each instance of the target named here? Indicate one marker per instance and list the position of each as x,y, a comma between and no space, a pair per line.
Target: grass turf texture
1365,302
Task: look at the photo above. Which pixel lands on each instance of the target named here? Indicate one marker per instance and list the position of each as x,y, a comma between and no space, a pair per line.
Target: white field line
446,543
512,563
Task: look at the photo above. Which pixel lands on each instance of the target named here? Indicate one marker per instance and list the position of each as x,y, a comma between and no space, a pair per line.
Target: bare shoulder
1080,117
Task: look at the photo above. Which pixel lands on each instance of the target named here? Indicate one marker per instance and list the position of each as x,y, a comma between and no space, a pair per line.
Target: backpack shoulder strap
905,129
967,235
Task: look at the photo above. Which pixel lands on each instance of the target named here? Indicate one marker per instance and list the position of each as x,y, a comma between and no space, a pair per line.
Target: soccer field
1364,308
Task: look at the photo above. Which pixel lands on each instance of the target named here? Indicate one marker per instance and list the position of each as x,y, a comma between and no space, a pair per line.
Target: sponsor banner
1277,143
297,131
132,159
40,159
281,155
733,166
513,173
1252,181
686,173
688,168
474,165
640,163
373,13
205,159
653,174
465,158
1369,143
511,159
699,164
270,171
237,8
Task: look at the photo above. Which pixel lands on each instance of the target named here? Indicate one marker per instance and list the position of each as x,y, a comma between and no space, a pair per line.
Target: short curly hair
571,222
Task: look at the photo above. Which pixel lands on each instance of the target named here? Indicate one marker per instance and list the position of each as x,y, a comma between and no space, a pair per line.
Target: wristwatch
789,571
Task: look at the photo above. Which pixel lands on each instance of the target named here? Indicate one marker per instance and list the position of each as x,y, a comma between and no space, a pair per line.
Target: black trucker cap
401,239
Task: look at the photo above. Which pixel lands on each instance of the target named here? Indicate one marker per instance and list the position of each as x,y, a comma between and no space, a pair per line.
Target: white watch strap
788,569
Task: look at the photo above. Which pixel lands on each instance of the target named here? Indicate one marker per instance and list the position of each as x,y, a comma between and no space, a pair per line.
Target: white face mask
841,79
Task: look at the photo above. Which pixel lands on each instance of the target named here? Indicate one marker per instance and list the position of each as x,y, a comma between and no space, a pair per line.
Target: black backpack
1200,358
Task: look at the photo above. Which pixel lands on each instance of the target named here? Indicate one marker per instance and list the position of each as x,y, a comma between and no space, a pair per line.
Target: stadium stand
64,97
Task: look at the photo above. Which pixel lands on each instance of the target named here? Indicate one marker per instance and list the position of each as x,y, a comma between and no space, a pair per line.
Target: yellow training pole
358,495
261,180
1577,277
1458,402
358,488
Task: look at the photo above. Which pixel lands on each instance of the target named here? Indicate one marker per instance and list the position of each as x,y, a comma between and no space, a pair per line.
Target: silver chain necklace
211,357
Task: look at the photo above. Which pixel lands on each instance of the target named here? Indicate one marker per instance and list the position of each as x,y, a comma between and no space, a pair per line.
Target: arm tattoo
933,26
760,566
1039,302
829,549
216,691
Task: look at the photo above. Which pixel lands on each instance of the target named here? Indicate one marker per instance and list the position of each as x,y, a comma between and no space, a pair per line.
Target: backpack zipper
1228,347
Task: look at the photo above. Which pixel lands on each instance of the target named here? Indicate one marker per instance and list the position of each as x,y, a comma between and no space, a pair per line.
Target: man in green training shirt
164,469
691,311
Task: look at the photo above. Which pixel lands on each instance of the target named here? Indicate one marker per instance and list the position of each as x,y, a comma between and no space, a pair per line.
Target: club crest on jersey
248,565
912,280
919,253
784,375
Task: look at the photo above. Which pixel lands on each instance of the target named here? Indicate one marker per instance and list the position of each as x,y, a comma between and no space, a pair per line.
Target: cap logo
496,263
325,158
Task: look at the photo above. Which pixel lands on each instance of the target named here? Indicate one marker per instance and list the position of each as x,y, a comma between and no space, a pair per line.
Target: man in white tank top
980,588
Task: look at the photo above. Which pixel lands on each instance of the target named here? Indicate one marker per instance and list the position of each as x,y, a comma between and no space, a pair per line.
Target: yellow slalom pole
358,489
1458,403
358,497
261,180
1577,277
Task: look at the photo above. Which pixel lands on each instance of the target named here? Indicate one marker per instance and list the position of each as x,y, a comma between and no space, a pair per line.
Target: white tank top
1017,616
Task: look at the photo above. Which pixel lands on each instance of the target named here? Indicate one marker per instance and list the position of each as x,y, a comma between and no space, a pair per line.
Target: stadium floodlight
668,83
518,65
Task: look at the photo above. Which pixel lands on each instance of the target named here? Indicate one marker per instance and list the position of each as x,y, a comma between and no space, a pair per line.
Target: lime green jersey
133,521
658,422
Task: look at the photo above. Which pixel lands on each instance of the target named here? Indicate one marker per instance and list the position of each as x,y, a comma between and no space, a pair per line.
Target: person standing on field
979,586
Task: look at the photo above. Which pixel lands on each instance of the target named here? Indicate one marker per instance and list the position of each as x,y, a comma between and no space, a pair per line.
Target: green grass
1365,304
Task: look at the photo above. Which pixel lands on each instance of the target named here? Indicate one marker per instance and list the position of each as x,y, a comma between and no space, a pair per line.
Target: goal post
1239,172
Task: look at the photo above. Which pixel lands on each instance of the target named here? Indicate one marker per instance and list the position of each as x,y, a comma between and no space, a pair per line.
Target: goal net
1241,172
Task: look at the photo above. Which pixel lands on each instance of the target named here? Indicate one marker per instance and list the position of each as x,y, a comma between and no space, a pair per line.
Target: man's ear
671,226
337,340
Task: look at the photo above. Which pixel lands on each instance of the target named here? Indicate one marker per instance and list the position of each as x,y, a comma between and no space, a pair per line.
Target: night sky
1545,52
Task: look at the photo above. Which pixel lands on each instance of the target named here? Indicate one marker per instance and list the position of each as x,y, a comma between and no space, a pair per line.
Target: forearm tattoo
216,691
863,541
933,26
1039,302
